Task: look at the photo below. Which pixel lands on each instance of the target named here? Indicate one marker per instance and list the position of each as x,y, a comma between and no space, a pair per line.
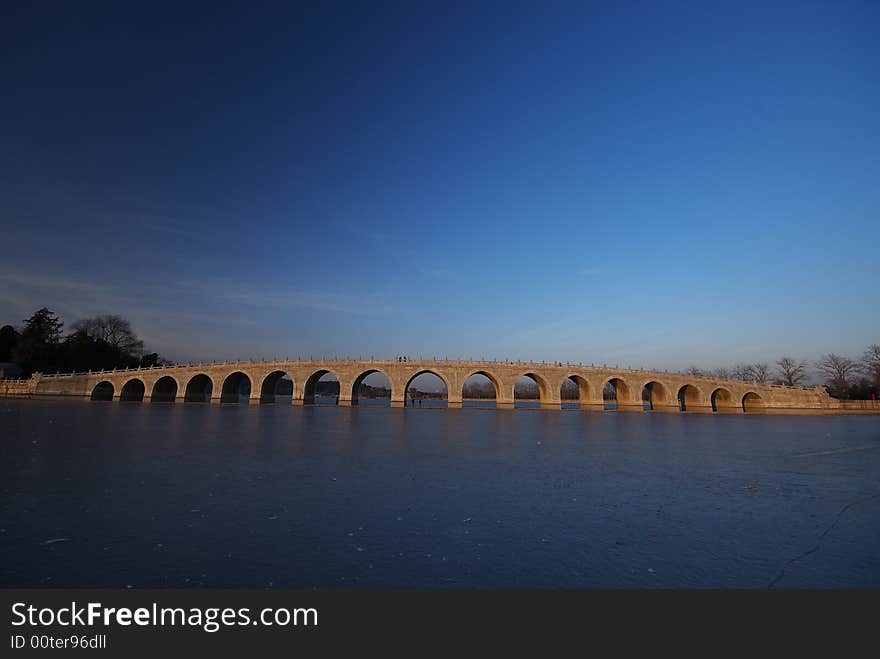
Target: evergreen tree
8,340
37,348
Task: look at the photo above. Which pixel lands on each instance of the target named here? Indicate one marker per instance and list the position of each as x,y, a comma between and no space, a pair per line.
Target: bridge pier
593,407
504,405
398,403
665,408
456,404
345,402
630,407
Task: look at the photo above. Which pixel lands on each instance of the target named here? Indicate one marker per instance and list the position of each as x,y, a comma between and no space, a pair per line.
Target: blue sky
644,184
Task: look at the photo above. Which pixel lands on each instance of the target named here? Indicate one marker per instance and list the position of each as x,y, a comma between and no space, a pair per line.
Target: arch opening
165,390
479,390
653,393
688,398
277,387
752,402
322,388
133,391
236,388
371,389
528,392
574,391
103,391
722,401
614,391
198,389
426,390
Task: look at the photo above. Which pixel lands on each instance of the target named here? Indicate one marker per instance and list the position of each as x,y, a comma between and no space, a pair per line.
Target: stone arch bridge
256,382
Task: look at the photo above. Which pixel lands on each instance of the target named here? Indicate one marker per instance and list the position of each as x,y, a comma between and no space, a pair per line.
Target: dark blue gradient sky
645,184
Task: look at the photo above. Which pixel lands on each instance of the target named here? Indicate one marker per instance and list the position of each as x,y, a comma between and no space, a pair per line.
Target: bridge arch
236,388
722,400
752,402
165,390
274,385
540,383
444,401
199,389
311,395
654,393
582,389
133,390
104,390
615,390
359,381
689,397
474,392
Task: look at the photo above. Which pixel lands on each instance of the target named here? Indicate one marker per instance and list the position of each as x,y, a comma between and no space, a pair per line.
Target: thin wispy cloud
590,271
109,212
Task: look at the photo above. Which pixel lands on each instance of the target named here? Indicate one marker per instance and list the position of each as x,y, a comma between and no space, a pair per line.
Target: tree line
98,343
526,389
842,376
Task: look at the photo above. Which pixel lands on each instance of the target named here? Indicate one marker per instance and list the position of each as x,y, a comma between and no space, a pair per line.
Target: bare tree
742,372
791,371
694,370
761,372
113,330
569,390
838,371
721,373
609,392
871,363
524,389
